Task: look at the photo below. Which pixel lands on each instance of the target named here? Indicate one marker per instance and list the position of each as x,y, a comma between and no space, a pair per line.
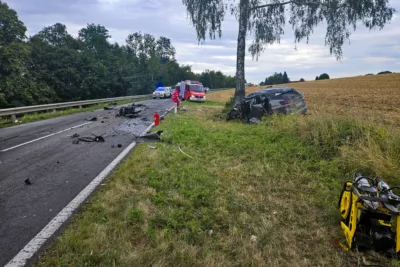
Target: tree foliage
265,21
277,78
53,66
324,76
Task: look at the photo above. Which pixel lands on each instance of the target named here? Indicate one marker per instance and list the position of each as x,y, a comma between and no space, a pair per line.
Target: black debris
92,119
75,142
58,162
119,145
132,116
102,121
28,182
131,111
112,146
109,108
75,135
99,139
96,138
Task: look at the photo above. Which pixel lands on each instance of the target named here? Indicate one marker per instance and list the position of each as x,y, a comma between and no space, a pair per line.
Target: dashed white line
43,137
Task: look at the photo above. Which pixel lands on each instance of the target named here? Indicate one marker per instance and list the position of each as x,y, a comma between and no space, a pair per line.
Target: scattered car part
75,135
152,147
28,182
75,142
370,215
119,145
92,119
96,138
153,135
131,111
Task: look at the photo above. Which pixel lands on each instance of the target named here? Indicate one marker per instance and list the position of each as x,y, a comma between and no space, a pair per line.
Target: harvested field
375,98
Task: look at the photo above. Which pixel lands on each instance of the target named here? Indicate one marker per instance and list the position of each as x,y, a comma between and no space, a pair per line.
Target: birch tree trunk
241,51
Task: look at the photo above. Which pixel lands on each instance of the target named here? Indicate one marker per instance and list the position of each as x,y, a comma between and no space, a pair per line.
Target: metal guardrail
21,110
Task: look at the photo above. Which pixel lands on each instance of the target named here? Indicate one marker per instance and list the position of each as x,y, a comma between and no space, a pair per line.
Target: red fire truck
194,91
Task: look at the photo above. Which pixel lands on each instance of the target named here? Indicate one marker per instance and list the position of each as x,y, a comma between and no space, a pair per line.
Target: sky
367,52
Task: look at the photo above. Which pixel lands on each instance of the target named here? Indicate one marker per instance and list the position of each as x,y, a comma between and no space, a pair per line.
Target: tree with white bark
265,21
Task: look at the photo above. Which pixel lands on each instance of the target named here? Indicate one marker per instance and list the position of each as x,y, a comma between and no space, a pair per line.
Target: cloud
367,52
378,59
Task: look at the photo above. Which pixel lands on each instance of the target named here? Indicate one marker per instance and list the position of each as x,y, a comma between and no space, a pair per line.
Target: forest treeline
53,66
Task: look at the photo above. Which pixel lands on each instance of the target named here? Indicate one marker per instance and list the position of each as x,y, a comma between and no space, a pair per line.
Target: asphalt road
58,169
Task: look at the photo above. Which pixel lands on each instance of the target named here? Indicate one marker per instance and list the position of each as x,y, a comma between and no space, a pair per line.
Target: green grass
37,116
247,195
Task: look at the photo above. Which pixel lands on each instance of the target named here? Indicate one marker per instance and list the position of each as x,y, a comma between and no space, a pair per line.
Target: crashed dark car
268,101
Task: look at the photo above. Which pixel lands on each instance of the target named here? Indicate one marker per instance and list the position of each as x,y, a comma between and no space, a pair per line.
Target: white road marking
43,137
35,244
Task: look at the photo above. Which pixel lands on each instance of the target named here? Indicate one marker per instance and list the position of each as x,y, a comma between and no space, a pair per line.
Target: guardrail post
80,106
54,111
13,118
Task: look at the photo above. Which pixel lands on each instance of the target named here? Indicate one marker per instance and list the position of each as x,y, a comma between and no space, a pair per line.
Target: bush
323,76
385,72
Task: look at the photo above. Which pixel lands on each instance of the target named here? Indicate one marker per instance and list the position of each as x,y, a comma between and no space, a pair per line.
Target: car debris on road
92,119
131,111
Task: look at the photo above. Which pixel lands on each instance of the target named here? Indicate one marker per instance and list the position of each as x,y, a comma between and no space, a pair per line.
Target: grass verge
37,116
242,195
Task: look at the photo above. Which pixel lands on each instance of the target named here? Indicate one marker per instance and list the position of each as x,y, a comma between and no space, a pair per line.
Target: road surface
58,169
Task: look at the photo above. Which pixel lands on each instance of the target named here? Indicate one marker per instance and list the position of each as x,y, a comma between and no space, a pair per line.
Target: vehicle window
160,89
196,88
275,96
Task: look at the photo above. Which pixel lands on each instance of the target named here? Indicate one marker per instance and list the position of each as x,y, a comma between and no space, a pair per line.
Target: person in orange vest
175,96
